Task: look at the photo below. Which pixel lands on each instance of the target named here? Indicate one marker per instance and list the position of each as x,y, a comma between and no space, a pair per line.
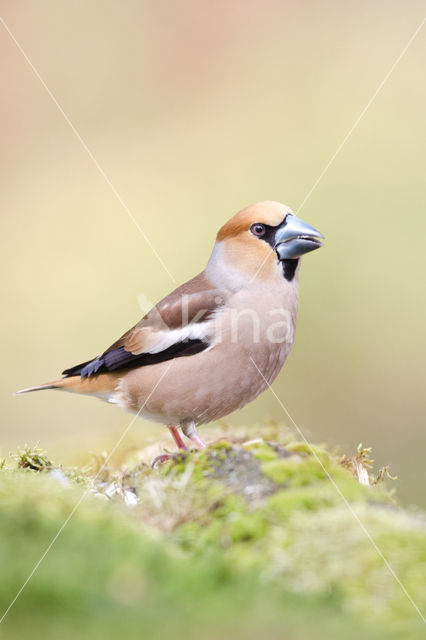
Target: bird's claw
161,459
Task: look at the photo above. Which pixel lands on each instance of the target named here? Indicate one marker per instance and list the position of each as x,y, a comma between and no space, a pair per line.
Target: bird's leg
177,438
167,456
190,431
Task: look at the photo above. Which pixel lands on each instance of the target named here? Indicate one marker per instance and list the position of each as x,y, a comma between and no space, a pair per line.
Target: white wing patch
157,341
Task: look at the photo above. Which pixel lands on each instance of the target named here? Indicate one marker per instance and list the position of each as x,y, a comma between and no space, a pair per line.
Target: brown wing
172,329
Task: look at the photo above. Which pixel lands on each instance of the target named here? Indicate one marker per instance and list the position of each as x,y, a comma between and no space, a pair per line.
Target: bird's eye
258,229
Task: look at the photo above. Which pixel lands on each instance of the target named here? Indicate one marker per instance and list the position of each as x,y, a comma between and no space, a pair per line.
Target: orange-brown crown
267,212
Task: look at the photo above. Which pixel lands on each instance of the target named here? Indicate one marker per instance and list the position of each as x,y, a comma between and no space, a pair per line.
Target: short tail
100,384
48,385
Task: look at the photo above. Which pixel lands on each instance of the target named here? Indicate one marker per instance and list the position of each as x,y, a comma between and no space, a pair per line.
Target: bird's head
264,242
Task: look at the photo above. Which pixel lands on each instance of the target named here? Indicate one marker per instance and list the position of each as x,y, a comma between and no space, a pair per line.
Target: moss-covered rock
261,537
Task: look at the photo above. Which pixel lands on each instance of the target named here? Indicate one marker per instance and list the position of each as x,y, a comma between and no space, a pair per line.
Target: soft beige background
195,109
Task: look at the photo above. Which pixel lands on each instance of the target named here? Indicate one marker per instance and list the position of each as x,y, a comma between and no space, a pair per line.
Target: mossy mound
247,539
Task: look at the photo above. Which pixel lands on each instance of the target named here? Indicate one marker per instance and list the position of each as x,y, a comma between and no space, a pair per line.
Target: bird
218,340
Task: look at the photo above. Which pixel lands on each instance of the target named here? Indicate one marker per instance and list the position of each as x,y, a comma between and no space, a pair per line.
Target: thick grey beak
295,238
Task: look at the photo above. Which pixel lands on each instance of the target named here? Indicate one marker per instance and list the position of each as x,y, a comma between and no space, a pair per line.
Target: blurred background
194,110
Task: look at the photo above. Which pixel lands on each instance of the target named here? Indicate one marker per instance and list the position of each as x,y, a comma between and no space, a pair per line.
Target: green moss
276,470
283,504
247,527
299,471
308,449
346,559
32,458
220,445
264,452
278,551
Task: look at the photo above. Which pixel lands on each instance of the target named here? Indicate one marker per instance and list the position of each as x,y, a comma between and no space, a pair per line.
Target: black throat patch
289,268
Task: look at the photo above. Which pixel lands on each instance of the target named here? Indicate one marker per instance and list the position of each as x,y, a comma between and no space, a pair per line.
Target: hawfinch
217,341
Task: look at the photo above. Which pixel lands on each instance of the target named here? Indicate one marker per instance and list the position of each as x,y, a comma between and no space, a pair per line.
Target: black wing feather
121,359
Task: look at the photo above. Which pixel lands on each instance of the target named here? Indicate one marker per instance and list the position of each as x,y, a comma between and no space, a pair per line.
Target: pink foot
189,429
198,442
